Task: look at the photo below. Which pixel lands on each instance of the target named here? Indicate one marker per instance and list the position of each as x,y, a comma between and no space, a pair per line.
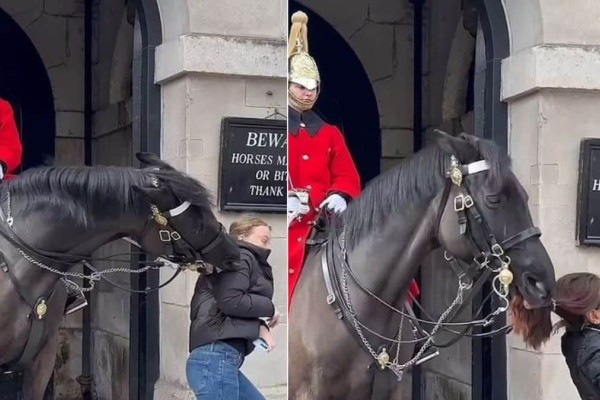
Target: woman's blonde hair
243,226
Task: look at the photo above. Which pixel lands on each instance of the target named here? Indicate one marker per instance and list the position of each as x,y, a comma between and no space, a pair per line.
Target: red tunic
319,161
11,148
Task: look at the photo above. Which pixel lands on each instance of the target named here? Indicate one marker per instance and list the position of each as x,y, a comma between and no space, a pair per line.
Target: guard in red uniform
11,149
321,172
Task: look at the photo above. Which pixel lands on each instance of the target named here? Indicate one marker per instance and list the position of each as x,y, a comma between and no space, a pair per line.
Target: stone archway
347,99
25,83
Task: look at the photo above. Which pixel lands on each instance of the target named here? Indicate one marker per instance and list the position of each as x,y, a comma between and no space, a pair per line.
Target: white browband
477,166
180,209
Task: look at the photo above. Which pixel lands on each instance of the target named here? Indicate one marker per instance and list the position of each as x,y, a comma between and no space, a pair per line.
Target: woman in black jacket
578,304
231,313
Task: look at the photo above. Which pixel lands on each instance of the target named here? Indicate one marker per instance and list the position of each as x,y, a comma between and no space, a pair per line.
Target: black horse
54,218
349,306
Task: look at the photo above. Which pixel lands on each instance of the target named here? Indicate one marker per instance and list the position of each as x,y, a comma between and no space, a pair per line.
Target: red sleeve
11,148
344,175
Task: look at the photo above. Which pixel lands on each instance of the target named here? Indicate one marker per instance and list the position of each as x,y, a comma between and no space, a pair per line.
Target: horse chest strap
37,334
18,287
331,297
381,383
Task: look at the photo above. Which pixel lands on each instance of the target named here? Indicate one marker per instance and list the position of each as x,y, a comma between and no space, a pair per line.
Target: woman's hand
274,320
266,335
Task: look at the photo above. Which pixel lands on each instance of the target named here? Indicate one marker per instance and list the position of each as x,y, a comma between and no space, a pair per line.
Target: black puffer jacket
581,349
227,306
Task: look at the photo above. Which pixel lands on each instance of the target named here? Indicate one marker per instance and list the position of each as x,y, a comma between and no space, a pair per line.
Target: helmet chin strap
299,104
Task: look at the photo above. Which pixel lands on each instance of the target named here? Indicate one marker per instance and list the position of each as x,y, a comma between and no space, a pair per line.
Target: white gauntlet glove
293,208
334,202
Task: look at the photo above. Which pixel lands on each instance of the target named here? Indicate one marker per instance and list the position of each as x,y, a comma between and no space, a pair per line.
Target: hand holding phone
261,344
265,340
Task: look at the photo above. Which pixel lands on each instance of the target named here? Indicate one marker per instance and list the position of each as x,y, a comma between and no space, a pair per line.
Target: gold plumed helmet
302,67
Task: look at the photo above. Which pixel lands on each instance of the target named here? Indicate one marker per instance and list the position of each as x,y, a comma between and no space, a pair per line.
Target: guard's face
302,93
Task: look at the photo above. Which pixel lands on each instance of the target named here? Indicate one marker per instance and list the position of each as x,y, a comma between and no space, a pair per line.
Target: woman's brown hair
244,225
576,295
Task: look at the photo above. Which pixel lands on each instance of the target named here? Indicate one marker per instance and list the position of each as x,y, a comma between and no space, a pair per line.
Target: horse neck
60,236
42,230
386,260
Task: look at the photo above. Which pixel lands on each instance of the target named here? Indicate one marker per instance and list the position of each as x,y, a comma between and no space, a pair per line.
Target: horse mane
85,193
414,182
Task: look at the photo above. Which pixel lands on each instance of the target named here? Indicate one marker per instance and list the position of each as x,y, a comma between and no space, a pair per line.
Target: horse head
486,218
182,218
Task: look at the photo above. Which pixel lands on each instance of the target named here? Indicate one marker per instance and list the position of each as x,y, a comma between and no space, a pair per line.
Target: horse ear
154,160
461,147
470,138
146,158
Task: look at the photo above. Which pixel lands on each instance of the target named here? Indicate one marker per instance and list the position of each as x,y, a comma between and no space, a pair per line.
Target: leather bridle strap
442,207
521,237
215,241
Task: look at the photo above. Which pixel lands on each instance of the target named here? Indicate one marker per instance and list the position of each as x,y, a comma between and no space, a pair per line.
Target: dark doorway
347,99
25,84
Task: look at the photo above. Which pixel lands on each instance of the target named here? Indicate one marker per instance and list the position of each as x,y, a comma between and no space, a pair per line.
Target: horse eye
493,199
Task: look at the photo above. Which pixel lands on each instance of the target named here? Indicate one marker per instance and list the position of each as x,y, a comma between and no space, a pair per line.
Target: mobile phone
261,344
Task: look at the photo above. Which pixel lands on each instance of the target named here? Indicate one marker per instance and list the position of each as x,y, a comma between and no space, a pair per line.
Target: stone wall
550,83
552,96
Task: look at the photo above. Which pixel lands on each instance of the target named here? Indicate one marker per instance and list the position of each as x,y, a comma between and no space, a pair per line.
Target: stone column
229,61
551,84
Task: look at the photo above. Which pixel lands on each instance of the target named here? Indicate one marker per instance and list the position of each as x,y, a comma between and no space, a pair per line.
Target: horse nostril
540,286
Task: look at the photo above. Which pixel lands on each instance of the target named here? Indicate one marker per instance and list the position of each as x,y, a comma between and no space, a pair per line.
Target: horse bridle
487,253
177,248
485,248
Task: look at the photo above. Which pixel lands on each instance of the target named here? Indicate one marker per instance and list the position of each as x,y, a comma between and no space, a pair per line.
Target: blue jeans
213,373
